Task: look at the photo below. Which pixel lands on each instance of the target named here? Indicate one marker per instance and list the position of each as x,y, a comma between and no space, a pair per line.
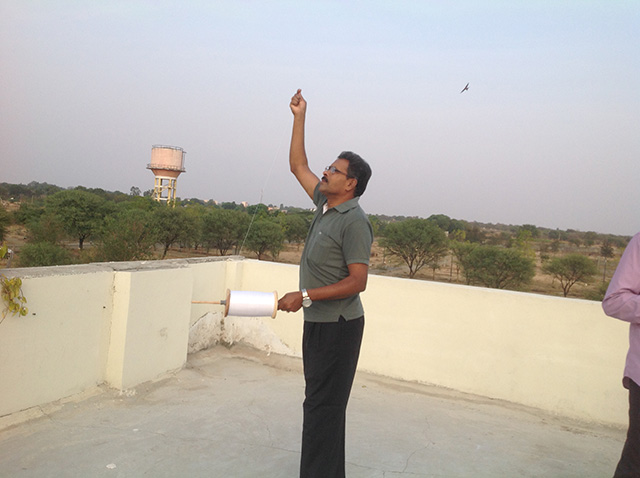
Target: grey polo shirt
341,236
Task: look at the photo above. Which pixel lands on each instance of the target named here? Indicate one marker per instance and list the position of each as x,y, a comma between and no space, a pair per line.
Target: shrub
42,254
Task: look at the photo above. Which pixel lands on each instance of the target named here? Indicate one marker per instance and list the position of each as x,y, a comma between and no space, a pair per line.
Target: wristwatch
306,301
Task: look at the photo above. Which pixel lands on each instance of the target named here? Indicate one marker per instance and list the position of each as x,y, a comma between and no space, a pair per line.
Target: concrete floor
237,413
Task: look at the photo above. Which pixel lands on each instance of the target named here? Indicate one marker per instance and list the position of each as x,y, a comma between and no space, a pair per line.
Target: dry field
381,264
391,266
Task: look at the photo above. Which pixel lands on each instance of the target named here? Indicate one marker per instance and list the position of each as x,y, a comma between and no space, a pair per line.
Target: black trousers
330,354
629,465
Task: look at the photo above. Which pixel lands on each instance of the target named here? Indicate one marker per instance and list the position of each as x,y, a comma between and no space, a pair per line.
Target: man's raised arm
297,154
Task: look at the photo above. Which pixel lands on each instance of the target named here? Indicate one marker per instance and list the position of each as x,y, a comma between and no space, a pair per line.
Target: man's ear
351,184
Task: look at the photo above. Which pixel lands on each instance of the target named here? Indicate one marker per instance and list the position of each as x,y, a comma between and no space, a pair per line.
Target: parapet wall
122,324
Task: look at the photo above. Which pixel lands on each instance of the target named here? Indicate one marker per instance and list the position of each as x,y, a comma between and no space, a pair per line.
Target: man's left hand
290,302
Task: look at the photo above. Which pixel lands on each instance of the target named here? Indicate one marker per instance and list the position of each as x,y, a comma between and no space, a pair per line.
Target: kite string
273,162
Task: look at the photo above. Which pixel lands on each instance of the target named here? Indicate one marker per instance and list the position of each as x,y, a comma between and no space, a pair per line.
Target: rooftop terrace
115,372
237,413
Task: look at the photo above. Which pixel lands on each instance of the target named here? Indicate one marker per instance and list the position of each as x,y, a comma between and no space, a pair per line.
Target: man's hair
358,169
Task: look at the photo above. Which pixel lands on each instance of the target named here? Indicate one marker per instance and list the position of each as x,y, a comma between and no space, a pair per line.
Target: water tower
167,162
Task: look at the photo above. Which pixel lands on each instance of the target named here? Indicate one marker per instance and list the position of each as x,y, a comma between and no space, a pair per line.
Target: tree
535,233
445,223
417,242
460,249
172,225
441,220
590,238
46,228
265,236
457,225
522,242
28,212
224,229
80,212
570,269
475,234
258,210
5,220
606,251
196,213
232,206
497,267
129,235
434,265
295,227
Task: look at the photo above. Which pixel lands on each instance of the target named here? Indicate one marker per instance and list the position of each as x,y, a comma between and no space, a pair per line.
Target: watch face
306,302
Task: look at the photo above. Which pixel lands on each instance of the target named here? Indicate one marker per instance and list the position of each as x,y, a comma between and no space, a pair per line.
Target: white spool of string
247,303
241,303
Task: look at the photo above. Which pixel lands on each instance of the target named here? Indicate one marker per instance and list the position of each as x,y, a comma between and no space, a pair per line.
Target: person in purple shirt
622,301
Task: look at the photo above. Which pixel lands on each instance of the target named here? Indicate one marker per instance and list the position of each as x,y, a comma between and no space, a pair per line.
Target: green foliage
440,220
49,219
144,203
295,226
173,224
570,269
497,267
12,296
376,223
265,236
258,210
445,223
590,238
475,234
224,229
46,228
20,192
522,242
5,221
29,212
417,242
232,206
606,249
130,235
535,233
41,254
598,294
554,235
195,211
461,249
11,288
80,212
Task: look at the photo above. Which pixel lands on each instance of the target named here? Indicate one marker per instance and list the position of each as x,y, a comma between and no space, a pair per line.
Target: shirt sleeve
356,244
622,299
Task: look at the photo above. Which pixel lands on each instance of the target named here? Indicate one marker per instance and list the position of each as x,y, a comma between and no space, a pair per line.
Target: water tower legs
164,190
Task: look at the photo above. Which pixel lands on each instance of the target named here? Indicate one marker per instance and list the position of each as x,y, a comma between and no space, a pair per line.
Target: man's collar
347,205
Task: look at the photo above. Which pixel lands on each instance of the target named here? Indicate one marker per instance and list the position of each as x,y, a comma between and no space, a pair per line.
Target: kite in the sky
465,88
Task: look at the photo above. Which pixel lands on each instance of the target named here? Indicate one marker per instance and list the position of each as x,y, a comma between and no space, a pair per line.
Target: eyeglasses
333,170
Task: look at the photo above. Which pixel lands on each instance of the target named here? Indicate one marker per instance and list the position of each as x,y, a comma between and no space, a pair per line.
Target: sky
548,132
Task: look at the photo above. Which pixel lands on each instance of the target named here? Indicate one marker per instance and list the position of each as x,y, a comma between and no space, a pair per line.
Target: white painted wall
61,347
561,355
123,324
149,326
